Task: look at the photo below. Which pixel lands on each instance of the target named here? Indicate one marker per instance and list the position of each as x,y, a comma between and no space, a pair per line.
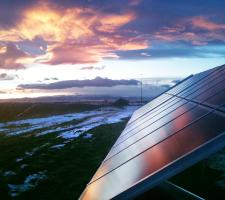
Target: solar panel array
162,138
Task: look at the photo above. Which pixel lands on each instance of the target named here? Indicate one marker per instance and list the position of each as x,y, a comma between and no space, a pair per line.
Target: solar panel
172,132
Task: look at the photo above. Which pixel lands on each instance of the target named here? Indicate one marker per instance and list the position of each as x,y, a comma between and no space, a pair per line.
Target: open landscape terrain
53,156
51,151
73,72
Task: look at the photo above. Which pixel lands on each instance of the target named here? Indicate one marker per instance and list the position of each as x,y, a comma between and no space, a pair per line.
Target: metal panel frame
174,168
187,159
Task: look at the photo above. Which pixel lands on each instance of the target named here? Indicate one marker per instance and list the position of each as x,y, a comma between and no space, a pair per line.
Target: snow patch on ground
9,173
28,125
58,146
23,166
88,136
32,152
115,116
30,182
97,117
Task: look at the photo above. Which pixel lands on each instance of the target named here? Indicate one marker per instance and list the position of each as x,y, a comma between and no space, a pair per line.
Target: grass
16,111
68,169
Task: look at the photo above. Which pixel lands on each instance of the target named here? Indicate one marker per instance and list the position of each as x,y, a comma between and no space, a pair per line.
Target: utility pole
141,90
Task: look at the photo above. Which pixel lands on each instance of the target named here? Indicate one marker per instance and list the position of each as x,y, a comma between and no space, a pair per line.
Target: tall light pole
141,90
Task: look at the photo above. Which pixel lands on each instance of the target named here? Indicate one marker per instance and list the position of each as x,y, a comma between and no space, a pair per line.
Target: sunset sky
48,41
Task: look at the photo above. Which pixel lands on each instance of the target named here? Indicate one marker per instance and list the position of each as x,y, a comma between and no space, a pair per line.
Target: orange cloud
55,25
202,22
117,42
186,31
3,49
73,35
111,23
69,54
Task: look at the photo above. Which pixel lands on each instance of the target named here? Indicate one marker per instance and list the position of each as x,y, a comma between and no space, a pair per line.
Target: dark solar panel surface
162,138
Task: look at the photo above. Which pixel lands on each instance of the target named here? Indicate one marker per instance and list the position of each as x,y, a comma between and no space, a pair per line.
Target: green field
68,169
16,111
64,171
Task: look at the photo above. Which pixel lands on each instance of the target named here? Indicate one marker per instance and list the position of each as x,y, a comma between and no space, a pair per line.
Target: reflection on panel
155,158
176,129
149,107
218,89
149,121
180,88
150,127
155,113
203,85
218,100
151,139
205,90
192,81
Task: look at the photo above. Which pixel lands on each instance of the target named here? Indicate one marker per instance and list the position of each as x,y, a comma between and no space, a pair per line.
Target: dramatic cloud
70,35
36,46
97,82
86,32
198,31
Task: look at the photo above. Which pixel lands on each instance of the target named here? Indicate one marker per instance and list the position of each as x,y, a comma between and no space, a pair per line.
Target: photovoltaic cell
151,139
168,121
203,85
218,99
156,112
184,85
202,95
153,118
214,84
151,125
164,137
152,105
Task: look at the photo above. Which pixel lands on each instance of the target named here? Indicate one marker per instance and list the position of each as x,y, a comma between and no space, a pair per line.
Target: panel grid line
188,99
153,145
176,129
187,79
195,102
